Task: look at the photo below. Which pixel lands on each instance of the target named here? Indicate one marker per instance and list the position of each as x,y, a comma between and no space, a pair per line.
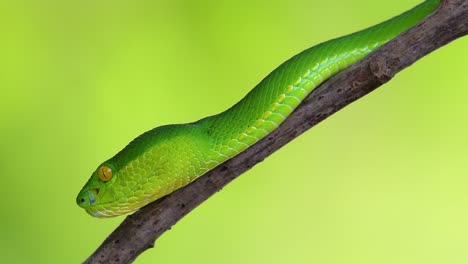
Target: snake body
168,157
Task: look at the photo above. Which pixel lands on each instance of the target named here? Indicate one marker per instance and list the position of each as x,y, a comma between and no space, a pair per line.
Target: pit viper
169,157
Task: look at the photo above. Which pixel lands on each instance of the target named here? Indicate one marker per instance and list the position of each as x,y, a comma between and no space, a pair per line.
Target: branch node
379,70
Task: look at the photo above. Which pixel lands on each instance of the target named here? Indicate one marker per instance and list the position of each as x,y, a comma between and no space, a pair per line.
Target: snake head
153,165
96,197
107,193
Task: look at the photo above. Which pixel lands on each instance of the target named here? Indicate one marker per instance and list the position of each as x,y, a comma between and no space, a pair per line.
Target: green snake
169,157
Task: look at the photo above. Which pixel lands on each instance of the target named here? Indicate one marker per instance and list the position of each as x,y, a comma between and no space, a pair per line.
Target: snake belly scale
169,157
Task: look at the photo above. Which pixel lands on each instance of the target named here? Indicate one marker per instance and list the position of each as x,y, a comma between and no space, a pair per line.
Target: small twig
139,231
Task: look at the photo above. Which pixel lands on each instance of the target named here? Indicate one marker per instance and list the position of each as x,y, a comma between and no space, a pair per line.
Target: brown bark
139,231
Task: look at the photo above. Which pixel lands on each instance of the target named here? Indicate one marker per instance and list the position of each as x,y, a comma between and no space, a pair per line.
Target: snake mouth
115,208
110,209
100,211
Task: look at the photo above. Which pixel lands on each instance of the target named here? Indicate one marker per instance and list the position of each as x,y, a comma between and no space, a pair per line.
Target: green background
383,181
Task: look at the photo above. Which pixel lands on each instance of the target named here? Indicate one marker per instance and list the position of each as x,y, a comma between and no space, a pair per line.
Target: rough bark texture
139,231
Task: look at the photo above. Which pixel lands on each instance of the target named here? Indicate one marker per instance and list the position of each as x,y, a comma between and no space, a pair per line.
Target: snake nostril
82,200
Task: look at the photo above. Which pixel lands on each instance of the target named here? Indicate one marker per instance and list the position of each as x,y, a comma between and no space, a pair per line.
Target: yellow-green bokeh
383,181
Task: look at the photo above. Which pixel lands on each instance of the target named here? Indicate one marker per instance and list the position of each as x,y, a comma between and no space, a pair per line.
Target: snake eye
105,173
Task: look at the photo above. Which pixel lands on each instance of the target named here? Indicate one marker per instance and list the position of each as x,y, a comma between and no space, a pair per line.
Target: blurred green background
383,181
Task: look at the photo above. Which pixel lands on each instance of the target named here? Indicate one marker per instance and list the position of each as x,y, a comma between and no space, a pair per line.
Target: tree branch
139,231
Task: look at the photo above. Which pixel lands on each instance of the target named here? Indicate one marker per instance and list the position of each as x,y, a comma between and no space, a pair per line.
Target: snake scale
169,157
